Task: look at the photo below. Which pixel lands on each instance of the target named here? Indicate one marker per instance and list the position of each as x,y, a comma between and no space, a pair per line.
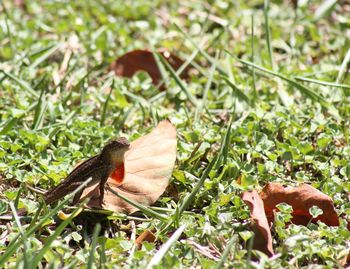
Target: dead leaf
345,260
260,226
143,60
145,236
301,198
20,4
148,166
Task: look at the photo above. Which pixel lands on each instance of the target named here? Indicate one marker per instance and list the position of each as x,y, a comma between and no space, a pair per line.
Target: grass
269,102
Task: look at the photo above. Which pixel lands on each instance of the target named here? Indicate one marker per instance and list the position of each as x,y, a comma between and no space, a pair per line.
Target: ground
267,99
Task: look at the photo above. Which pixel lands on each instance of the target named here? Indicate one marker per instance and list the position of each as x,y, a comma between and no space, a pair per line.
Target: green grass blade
138,99
240,94
343,67
14,244
188,200
206,90
8,31
46,55
268,33
54,236
324,9
102,252
303,90
142,208
325,83
110,84
36,216
236,91
225,146
226,252
21,83
93,246
201,50
187,62
253,57
8,126
178,80
11,122
161,68
40,110
157,258
18,195
21,231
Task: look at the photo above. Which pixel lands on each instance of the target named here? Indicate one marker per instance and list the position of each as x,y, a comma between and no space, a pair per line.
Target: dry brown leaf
20,4
143,60
148,166
345,260
260,226
301,198
145,236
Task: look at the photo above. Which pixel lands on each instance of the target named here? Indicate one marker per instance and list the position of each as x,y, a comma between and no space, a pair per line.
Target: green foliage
269,102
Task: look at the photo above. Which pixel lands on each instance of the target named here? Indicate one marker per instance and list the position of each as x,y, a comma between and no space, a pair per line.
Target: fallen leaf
301,198
207,251
143,60
145,236
148,166
260,226
345,260
20,3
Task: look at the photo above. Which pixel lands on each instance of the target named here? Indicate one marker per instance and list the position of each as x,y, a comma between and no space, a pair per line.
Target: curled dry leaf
260,226
301,198
143,60
145,236
148,166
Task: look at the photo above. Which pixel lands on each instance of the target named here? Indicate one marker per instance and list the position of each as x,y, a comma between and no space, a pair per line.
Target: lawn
265,99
